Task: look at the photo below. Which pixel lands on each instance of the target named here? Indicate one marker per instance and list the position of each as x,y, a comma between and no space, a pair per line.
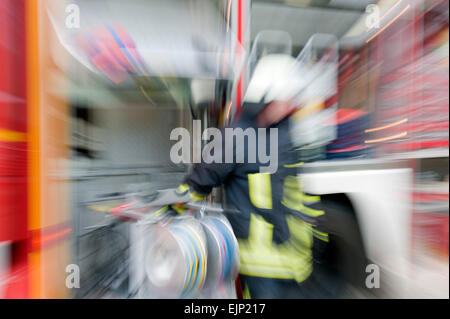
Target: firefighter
278,224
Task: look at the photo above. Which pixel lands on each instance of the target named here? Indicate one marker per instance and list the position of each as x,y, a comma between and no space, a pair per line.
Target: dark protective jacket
278,222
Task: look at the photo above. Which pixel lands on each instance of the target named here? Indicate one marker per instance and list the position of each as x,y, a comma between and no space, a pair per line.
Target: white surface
381,199
429,278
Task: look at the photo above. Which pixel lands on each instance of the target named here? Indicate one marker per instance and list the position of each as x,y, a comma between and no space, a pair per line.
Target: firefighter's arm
313,212
211,172
200,182
307,208
204,177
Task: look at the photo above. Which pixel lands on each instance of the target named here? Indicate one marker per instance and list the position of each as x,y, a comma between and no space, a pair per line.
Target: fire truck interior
90,91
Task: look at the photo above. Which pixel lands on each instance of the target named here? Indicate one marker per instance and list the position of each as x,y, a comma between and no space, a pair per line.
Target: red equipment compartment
13,121
13,207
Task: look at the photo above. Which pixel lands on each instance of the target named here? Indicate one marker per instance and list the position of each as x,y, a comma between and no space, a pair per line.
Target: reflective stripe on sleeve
260,190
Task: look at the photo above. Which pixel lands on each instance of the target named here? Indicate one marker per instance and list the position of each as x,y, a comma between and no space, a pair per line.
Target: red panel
13,208
432,229
13,120
12,66
16,280
13,159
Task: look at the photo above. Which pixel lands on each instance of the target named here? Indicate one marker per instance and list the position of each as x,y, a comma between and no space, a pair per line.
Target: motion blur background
91,89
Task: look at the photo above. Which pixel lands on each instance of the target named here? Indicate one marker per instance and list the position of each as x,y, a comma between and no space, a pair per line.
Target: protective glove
183,190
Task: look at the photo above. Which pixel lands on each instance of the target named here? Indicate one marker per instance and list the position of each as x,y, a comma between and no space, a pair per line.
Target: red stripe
416,145
47,236
430,197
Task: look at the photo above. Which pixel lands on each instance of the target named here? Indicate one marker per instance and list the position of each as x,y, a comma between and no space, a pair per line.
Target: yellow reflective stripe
320,235
301,248
303,209
161,210
273,257
183,188
266,273
294,198
294,165
299,272
325,239
246,292
300,196
311,212
260,190
260,231
292,190
310,198
299,278
193,195
260,257
302,276
300,231
282,262
178,209
291,204
277,257
197,196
